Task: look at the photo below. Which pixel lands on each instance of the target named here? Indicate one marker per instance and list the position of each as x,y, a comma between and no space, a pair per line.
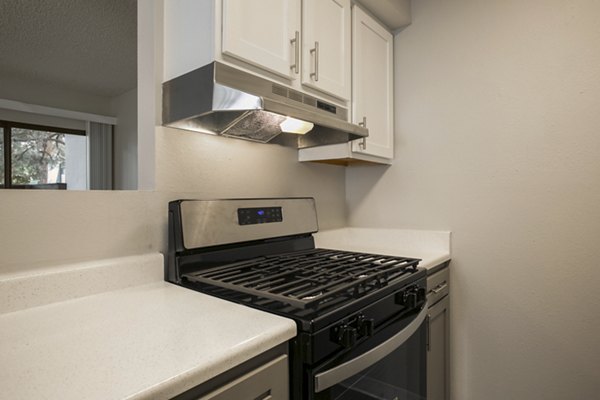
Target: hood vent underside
221,99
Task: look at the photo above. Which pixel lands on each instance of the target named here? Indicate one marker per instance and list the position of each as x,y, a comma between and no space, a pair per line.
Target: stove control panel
346,334
259,215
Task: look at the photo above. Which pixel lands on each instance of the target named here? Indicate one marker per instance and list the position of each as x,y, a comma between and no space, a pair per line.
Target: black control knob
421,294
349,337
345,335
411,300
366,327
408,298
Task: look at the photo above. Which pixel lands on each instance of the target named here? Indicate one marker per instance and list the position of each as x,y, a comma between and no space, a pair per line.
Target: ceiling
82,45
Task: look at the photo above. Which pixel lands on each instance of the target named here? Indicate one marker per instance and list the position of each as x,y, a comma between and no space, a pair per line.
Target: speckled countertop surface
148,341
433,247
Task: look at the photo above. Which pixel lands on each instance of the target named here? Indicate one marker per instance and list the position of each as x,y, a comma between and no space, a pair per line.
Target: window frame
7,131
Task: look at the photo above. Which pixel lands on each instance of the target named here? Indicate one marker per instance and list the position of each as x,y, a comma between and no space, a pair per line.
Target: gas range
315,287
348,306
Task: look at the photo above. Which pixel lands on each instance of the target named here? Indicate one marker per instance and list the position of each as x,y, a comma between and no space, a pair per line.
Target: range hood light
297,126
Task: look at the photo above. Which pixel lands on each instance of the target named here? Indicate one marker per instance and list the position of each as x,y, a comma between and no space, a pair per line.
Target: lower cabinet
267,382
264,377
438,354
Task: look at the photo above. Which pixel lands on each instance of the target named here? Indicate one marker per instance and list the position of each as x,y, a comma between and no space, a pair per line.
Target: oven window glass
398,376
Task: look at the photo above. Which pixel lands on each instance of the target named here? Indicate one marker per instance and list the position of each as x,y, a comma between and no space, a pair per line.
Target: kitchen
496,141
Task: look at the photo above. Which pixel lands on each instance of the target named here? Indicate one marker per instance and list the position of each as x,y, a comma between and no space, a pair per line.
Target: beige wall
218,167
498,140
41,228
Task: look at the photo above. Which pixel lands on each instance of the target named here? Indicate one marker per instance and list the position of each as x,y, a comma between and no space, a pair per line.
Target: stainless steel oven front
390,365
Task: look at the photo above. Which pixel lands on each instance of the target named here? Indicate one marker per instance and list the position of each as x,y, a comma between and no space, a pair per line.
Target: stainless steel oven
360,316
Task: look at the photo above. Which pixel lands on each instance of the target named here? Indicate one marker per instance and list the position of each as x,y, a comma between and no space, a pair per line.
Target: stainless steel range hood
221,99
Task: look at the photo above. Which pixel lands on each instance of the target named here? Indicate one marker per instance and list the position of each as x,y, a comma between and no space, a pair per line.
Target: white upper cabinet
372,85
302,44
268,34
326,39
372,97
264,33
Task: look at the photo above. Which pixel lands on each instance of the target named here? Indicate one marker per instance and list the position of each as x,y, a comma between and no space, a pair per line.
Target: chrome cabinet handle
296,42
315,51
363,144
439,288
265,396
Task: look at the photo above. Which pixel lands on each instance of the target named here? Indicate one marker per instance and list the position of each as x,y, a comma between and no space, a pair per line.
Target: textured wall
498,140
217,167
39,228
85,47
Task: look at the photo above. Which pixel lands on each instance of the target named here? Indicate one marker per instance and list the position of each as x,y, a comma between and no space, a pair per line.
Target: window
36,157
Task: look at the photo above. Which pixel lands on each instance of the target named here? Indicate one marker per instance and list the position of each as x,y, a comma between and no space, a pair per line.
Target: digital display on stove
259,215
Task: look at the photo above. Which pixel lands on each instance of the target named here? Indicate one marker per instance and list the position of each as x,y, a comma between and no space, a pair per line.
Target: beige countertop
148,341
432,247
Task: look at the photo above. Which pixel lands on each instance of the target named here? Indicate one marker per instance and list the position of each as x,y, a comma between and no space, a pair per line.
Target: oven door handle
333,376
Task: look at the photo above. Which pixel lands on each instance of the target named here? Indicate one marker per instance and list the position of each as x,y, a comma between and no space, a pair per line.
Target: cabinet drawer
437,286
267,382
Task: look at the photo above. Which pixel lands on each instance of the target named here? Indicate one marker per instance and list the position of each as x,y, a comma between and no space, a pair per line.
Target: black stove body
360,317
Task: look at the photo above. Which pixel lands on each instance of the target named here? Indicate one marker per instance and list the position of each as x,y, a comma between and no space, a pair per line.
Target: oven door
391,365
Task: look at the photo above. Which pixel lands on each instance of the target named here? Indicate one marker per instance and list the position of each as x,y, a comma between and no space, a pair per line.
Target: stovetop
260,252
309,278
315,286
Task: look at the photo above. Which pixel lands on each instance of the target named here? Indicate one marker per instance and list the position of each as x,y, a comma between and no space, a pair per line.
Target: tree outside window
36,156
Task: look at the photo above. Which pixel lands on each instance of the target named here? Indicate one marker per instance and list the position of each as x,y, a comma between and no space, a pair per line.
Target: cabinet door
326,47
264,33
372,85
269,382
438,352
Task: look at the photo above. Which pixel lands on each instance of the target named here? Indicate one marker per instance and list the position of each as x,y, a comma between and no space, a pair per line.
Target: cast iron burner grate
308,278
